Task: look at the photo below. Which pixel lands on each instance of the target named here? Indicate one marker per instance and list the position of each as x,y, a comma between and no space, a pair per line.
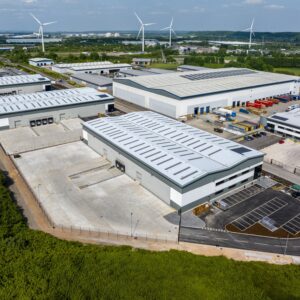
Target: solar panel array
22,79
221,74
43,100
177,151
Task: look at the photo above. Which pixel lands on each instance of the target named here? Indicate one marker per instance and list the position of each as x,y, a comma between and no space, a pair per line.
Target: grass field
165,66
34,265
292,71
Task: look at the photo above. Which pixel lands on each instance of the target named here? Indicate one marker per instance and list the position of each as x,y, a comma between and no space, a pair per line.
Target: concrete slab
285,155
72,124
49,129
24,139
116,204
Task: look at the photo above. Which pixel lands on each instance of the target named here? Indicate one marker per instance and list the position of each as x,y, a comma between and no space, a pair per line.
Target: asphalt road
240,241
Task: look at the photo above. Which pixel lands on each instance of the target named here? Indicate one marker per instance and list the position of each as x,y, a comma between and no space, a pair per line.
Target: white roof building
100,67
183,93
286,123
183,157
23,84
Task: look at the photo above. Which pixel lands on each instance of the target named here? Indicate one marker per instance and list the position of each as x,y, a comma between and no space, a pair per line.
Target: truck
292,107
244,111
225,113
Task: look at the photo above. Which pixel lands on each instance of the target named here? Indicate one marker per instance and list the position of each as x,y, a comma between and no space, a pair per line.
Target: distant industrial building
32,40
191,93
94,81
100,68
142,62
49,107
286,123
182,165
41,62
143,72
23,84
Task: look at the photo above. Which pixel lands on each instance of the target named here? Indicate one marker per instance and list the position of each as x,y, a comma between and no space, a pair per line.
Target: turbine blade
49,23
139,32
167,28
172,22
138,18
149,24
174,31
36,19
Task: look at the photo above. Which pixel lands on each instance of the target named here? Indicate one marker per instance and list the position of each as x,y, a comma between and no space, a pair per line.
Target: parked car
263,133
219,130
281,142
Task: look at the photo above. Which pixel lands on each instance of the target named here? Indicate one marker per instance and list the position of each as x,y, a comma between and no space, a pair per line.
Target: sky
117,15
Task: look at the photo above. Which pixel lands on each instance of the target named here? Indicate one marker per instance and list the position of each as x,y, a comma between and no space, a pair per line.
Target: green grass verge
34,265
289,71
165,66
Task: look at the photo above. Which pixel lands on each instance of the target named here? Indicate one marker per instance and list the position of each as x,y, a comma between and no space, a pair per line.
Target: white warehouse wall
177,108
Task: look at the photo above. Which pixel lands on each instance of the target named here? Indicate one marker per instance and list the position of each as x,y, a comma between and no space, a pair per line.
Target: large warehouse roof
179,152
291,118
197,83
92,66
22,80
46,100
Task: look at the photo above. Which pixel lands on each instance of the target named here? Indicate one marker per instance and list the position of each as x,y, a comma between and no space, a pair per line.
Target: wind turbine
170,28
250,29
142,30
41,30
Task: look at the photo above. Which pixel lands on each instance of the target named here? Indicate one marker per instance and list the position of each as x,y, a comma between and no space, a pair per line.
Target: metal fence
289,168
95,233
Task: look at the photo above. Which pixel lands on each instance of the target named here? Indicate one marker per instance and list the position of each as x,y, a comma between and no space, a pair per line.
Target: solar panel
241,150
279,118
210,75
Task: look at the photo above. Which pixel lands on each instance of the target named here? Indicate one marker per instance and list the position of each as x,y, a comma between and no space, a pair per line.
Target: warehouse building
94,81
286,123
41,62
23,84
182,165
191,93
99,67
51,107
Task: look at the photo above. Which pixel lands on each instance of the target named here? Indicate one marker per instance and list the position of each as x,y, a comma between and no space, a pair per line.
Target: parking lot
241,196
259,213
267,212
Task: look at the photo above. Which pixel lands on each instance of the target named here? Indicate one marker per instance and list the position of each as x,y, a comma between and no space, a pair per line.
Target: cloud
274,6
254,2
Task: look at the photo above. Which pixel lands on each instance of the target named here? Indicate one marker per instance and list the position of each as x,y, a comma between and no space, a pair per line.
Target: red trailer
265,102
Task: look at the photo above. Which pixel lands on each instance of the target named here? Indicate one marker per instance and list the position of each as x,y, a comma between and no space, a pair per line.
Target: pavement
281,173
240,241
79,189
24,139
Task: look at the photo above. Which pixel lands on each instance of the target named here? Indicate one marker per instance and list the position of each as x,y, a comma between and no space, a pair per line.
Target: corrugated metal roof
44,100
97,80
177,151
22,80
92,66
197,83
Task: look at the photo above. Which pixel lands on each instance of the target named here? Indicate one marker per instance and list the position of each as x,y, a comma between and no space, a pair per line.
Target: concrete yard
79,188
285,155
25,139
